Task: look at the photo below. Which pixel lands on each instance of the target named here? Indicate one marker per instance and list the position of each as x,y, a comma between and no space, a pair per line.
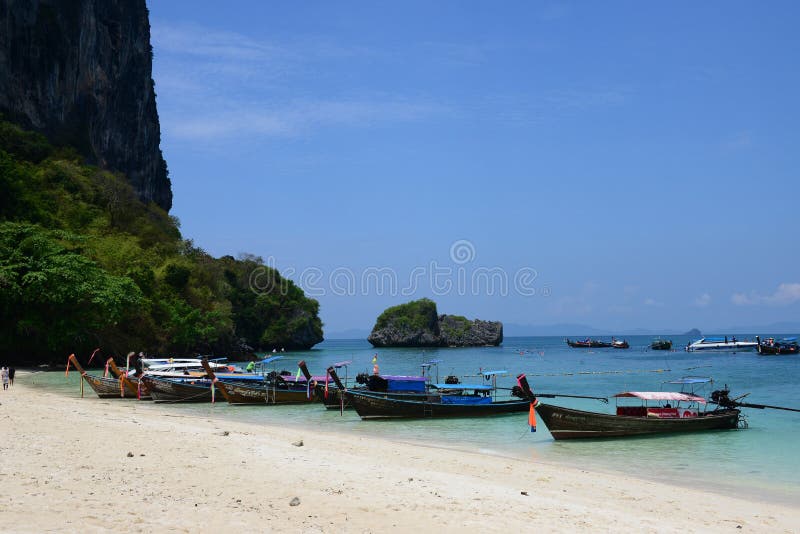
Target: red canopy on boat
662,395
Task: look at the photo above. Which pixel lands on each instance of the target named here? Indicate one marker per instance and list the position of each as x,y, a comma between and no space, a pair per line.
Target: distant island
694,332
418,324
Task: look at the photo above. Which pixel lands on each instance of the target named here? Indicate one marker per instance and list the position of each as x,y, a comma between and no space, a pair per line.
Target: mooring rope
619,372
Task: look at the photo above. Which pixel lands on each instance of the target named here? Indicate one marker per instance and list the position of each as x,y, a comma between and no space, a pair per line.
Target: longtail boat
770,346
325,390
661,344
279,390
105,387
619,344
176,390
181,365
132,383
450,400
394,386
588,344
674,412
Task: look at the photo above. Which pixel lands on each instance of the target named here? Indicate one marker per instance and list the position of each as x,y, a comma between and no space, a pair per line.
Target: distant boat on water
770,346
619,344
588,344
661,344
721,344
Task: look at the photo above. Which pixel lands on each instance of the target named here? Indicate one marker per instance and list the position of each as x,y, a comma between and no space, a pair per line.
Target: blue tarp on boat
476,387
406,383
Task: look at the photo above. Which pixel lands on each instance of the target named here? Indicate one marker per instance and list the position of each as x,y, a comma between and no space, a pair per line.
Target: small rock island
418,324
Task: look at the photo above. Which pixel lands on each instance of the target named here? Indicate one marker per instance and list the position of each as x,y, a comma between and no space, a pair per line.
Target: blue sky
619,164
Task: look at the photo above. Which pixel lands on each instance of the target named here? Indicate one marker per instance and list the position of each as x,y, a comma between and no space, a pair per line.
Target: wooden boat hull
661,345
109,388
141,388
378,405
172,391
264,394
334,398
593,344
566,423
774,350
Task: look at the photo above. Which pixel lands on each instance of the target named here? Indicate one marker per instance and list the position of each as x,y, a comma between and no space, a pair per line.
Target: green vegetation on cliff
417,315
84,263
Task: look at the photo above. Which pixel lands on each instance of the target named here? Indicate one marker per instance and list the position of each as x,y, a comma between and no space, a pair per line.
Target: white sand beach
65,466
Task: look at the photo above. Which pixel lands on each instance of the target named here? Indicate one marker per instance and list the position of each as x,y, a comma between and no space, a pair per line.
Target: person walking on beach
4,377
11,373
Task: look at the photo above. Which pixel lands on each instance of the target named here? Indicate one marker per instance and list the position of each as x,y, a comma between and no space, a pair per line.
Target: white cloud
196,40
739,141
294,118
215,84
653,302
703,300
785,294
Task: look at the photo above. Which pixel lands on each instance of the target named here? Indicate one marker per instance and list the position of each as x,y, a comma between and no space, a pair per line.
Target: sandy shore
65,467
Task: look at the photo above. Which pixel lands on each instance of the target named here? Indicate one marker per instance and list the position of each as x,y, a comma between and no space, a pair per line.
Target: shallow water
760,461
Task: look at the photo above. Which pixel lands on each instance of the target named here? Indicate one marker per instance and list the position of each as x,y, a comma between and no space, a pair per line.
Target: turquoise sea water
760,461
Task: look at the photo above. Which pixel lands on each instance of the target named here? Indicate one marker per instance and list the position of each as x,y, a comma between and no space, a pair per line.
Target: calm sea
760,461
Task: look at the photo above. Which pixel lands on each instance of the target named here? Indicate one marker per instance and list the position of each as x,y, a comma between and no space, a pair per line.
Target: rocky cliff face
416,324
460,332
80,72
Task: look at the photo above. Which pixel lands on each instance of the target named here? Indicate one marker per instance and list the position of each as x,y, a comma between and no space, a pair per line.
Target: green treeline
85,264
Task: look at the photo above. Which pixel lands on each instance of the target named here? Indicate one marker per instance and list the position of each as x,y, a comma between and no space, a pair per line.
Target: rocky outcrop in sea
417,324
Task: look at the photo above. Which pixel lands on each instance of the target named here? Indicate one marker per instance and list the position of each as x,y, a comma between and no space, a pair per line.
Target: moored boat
105,387
673,412
396,386
184,365
179,390
448,400
619,344
771,346
131,382
568,423
721,344
661,344
279,390
588,344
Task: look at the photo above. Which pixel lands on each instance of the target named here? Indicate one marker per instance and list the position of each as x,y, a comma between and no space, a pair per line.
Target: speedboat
721,344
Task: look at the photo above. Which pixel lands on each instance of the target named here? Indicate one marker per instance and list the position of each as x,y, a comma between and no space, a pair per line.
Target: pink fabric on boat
662,395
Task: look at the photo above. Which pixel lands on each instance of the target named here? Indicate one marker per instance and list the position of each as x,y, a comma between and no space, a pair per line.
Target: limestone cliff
417,324
80,72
